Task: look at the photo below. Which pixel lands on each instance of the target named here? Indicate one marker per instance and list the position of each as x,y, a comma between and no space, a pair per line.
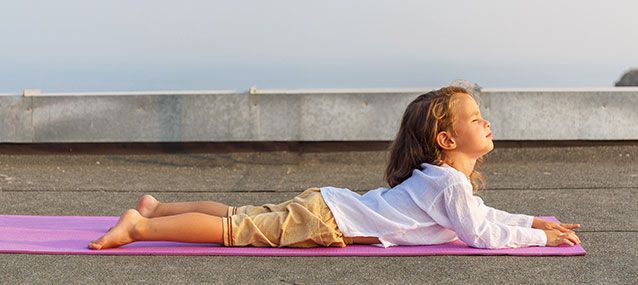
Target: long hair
415,143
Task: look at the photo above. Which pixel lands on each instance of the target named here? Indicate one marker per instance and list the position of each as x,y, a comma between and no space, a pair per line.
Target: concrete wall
303,115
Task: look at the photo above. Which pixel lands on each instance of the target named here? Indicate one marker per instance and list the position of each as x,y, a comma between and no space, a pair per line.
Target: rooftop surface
594,184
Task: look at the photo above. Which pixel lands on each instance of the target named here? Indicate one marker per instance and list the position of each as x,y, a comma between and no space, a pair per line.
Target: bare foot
147,205
120,234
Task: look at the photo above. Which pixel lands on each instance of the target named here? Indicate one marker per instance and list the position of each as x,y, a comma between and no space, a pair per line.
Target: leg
188,227
365,240
149,207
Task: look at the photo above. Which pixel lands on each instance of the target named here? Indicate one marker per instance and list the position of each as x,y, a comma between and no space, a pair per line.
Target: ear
445,141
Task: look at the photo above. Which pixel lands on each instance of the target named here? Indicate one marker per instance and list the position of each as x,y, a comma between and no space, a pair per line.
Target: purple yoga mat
71,234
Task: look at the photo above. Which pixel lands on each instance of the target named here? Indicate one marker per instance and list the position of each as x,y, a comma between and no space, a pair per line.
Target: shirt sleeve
503,217
469,219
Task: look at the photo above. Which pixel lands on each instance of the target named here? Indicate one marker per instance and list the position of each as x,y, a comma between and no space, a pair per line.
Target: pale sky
74,46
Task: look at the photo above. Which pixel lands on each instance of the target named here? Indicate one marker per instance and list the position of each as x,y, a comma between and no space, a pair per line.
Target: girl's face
473,135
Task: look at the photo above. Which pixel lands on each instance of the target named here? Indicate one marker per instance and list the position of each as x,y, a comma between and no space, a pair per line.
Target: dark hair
415,143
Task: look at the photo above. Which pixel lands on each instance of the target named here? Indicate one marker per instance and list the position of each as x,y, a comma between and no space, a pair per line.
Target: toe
94,245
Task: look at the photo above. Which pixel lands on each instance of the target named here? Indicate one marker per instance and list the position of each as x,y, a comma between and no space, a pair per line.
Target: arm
503,217
537,223
525,221
471,223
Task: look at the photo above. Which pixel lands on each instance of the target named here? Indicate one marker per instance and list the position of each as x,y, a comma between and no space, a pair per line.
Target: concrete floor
594,185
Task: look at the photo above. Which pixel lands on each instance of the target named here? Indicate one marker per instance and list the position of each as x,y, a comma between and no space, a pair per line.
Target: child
432,175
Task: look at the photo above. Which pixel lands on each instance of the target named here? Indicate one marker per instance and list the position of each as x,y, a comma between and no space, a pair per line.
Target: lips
489,135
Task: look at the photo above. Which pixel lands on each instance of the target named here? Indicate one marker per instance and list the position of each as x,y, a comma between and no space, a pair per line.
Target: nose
487,124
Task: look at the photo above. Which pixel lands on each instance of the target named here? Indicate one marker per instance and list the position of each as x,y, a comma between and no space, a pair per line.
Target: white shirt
435,205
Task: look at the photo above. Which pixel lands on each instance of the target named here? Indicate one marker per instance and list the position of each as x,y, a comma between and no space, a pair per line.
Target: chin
489,148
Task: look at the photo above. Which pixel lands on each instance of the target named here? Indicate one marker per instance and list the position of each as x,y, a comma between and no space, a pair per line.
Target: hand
556,238
546,225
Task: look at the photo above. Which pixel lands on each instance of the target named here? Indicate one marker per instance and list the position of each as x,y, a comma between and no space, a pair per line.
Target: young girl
432,175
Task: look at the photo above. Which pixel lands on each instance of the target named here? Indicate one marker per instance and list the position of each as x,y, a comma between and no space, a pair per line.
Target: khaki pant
304,221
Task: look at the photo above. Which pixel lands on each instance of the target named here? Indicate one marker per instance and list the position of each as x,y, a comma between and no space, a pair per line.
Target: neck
461,162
